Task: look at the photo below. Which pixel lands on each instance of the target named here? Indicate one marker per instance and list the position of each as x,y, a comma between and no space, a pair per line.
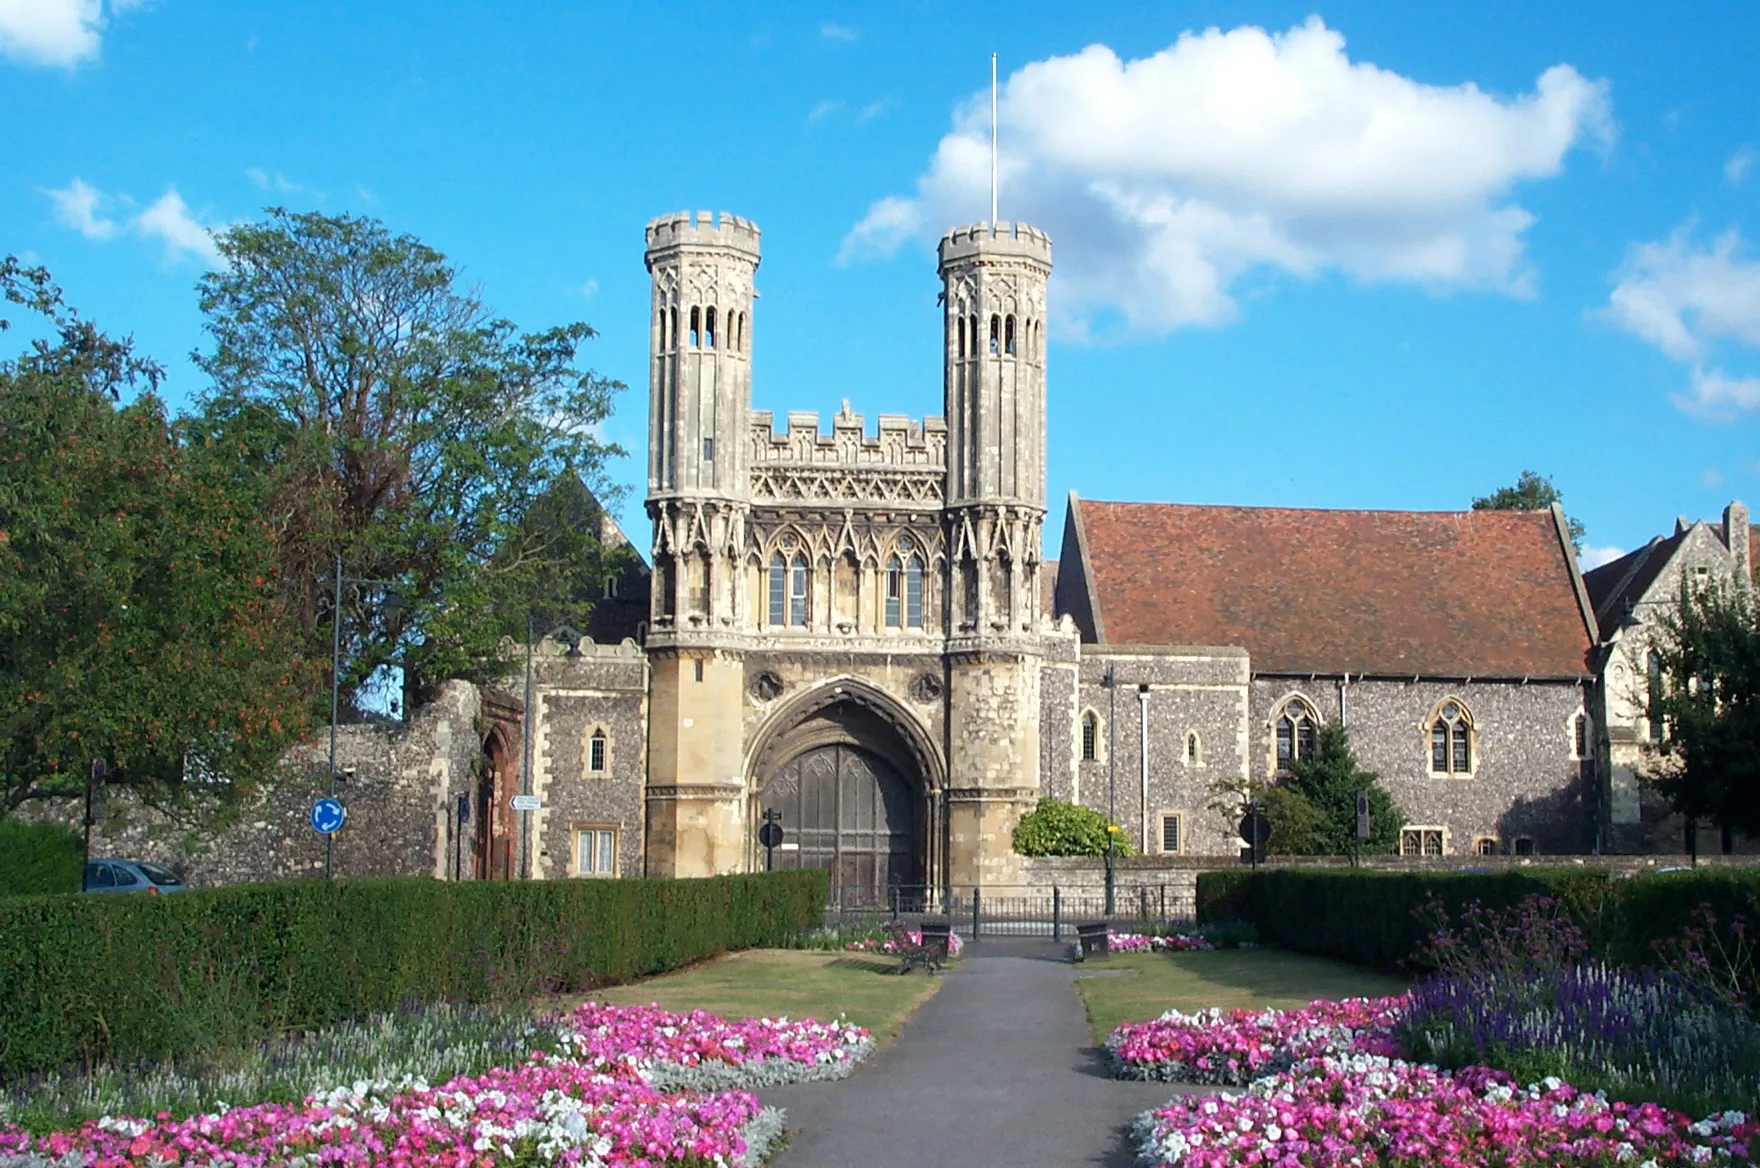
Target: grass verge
864,988
1146,985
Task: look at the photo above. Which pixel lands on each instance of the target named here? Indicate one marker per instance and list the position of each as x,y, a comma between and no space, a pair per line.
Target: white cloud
278,183
842,33
873,110
823,110
590,287
1718,397
1739,164
60,33
1166,179
1593,555
1680,298
169,220
1711,478
1691,302
77,205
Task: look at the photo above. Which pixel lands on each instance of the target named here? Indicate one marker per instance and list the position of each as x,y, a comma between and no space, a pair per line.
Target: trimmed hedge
39,858
1370,917
146,977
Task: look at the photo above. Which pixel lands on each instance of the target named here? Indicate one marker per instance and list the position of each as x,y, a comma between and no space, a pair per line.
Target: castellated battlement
708,229
900,441
1022,240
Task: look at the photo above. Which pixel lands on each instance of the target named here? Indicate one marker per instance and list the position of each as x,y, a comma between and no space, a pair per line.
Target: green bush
137,977
39,857
1056,828
1375,917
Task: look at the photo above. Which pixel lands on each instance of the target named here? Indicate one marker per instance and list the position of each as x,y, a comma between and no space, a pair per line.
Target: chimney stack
1735,535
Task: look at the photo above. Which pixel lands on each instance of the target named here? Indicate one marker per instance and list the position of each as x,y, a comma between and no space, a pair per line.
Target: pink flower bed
657,1044
1146,942
551,1110
603,1103
1367,1109
1236,1047
885,945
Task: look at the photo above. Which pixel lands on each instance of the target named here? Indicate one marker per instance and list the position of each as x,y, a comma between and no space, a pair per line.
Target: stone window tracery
709,329
995,334
797,591
904,589
1194,749
1008,335
696,327
1297,732
1090,737
596,751
1451,740
1423,841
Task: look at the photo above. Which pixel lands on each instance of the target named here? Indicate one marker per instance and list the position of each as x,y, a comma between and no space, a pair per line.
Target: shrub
84,978
39,857
1056,828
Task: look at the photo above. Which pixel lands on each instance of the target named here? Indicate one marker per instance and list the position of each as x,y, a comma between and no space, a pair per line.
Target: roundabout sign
327,816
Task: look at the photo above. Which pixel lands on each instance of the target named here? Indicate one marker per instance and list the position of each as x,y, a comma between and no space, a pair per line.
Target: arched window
664,585
1194,749
797,592
1580,734
972,331
894,593
1297,731
1653,677
709,329
962,338
739,331
995,335
596,752
611,588
778,590
1090,737
696,327
913,593
1451,740
1008,335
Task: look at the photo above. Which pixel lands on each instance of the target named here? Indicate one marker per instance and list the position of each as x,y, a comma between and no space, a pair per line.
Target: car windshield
158,875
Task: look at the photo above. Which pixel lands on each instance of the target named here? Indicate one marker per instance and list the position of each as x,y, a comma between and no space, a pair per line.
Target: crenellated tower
994,343
994,290
699,498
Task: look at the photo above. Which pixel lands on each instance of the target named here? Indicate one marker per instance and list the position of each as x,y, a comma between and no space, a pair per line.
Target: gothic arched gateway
855,784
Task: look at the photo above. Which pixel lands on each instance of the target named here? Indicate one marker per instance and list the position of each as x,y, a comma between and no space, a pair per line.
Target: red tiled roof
1390,593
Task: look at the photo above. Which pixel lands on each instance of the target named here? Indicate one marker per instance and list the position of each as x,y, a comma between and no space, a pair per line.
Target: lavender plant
433,1043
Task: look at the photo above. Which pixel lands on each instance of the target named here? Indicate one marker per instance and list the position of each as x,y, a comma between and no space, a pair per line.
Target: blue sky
1358,255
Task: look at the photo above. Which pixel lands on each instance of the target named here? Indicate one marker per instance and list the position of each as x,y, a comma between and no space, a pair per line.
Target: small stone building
1631,597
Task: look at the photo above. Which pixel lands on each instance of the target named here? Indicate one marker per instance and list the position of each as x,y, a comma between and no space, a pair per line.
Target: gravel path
996,1069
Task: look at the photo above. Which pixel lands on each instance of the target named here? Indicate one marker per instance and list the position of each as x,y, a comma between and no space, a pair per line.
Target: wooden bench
913,953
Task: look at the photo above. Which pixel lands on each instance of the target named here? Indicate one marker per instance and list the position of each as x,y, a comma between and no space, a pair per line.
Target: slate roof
1381,593
1618,582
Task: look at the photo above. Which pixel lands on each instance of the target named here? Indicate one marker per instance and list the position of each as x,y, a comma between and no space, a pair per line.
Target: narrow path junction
997,1069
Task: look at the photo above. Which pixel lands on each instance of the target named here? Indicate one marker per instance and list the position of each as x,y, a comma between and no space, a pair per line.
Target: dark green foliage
38,858
1708,699
1377,918
1532,492
375,407
1327,784
1056,828
136,977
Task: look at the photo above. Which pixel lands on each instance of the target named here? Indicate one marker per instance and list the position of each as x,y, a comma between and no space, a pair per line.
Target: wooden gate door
849,812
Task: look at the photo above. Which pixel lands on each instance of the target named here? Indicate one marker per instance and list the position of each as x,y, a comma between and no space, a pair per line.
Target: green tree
138,618
1056,828
386,415
1707,700
1532,492
1328,783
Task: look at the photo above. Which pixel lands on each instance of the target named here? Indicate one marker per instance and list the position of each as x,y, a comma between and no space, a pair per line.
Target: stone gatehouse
853,626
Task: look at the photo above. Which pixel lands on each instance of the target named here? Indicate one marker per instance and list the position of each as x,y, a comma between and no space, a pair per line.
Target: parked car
130,876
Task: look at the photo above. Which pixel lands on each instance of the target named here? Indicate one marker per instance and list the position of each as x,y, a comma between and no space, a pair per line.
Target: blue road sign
327,816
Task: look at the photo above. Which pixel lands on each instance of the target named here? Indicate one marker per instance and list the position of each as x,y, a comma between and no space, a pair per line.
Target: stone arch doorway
847,810
857,784
499,778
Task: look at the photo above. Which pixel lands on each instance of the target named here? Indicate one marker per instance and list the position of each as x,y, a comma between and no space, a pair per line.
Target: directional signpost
527,802
327,816
770,835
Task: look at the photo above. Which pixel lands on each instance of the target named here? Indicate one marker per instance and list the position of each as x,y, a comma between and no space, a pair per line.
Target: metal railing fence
977,911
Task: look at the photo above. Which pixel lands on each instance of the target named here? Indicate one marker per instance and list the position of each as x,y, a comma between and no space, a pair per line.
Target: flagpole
992,143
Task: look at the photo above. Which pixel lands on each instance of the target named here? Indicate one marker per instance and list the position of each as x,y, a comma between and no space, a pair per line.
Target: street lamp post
1110,681
391,603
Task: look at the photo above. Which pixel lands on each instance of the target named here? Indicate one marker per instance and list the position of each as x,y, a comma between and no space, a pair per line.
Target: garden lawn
864,988
1252,979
